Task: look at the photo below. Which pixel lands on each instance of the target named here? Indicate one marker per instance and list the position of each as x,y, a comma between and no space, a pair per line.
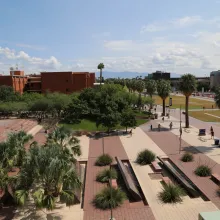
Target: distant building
159,75
215,78
64,82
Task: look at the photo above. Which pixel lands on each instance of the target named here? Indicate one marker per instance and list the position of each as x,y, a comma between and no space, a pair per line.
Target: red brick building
64,82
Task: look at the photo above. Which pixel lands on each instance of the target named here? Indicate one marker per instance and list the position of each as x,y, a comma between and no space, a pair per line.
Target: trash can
216,141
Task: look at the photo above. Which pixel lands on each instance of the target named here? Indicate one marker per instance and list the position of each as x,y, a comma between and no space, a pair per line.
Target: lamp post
111,218
180,130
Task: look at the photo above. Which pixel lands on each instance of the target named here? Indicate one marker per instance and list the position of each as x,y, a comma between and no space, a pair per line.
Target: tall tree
163,90
187,86
151,87
128,119
101,66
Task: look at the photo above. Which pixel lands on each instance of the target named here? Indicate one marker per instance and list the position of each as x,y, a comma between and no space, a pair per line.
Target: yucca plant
187,157
103,199
171,194
145,157
203,170
106,174
104,160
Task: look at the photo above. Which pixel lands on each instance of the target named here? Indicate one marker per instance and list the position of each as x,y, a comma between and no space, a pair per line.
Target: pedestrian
155,110
168,115
163,119
171,125
151,127
212,106
212,134
159,127
211,129
131,132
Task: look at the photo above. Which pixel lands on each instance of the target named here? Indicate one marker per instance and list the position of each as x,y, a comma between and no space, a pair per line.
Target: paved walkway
128,211
169,143
187,210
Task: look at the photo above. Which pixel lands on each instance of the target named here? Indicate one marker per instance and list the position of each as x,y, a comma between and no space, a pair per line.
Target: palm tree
13,150
151,87
163,90
100,67
65,138
46,176
139,85
187,87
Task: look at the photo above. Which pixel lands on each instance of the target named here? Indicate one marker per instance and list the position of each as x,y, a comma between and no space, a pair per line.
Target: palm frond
21,196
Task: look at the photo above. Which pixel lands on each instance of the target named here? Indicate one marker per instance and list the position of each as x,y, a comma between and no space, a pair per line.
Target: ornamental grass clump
104,160
103,199
187,157
105,175
203,171
145,157
171,194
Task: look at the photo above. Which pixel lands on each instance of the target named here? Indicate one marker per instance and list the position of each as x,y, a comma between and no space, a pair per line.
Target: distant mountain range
108,74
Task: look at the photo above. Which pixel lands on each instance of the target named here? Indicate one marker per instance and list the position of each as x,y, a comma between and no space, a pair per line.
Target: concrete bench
113,183
156,166
215,177
202,132
166,180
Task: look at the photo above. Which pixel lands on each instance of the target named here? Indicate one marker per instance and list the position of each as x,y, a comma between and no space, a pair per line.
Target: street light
180,130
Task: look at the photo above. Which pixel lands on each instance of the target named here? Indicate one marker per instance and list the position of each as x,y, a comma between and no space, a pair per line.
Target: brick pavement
128,211
169,143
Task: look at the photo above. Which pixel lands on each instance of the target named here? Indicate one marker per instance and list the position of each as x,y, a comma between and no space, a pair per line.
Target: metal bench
215,177
166,180
156,166
202,132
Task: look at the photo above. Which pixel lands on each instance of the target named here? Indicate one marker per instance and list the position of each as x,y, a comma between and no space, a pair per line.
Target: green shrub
171,194
103,160
103,199
145,157
187,157
203,171
106,174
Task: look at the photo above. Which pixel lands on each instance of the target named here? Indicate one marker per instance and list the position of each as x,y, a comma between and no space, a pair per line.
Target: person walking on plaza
212,132
151,127
158,127
171,125
163,119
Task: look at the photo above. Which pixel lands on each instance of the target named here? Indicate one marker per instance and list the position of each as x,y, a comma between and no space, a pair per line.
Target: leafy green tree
101,66
163,90
7,94
128,119
75,110
187,87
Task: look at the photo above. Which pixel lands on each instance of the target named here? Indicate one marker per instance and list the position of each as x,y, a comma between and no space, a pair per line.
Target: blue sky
127,35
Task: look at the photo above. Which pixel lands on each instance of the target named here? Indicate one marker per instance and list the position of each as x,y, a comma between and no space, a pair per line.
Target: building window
67,90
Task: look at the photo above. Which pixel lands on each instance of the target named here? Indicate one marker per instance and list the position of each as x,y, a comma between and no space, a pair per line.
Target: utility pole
180,130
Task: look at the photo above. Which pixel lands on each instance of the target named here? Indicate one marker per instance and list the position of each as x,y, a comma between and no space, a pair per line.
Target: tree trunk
100,77
186,112
163,107
126,129
151,104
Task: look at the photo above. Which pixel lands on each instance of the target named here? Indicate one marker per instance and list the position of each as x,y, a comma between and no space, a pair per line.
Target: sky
126,35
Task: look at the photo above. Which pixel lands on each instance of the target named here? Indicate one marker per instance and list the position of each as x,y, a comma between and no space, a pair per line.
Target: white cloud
175,23
101,35
35,63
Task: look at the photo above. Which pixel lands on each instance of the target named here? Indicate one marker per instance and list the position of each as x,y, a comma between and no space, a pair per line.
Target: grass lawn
87,125
202,115
180,100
